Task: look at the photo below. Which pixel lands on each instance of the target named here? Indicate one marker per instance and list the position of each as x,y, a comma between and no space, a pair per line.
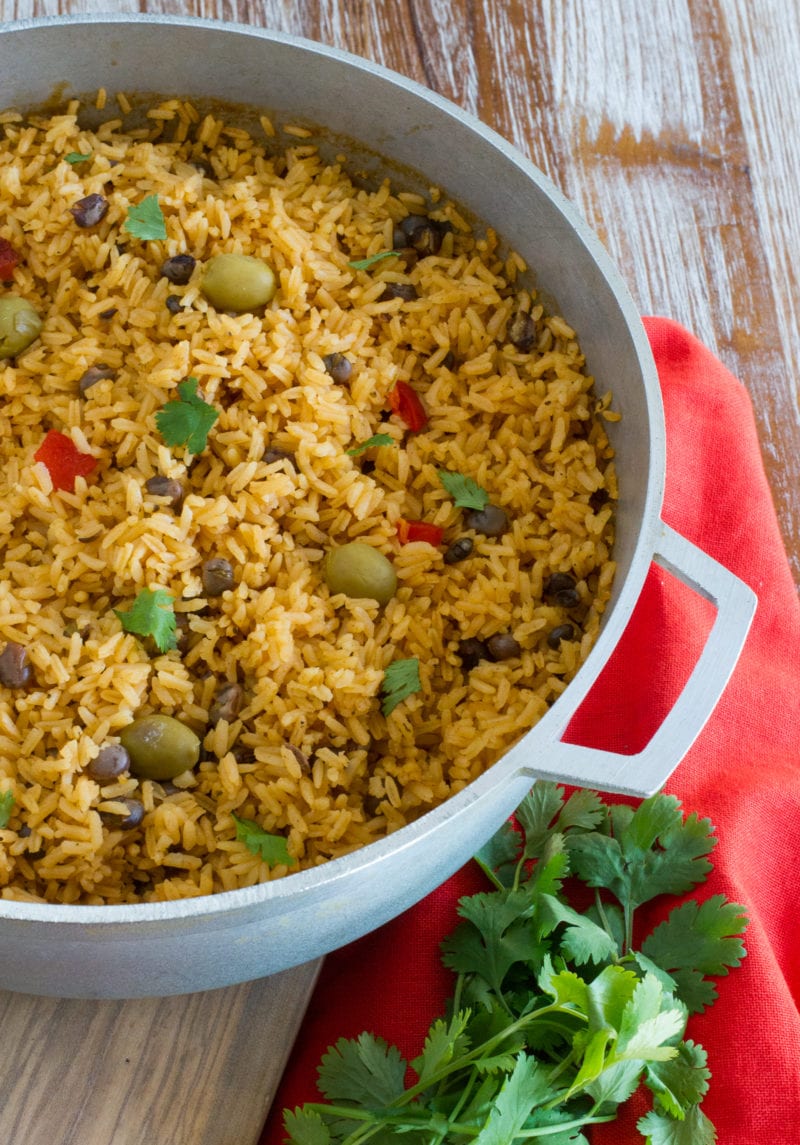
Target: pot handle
645,772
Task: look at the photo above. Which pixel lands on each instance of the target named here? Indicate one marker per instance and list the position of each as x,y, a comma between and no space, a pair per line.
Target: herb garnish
366,263
400,680
376,439
187,419
555,1019
145,220
151,614
466,493
271,848
76,157
6,807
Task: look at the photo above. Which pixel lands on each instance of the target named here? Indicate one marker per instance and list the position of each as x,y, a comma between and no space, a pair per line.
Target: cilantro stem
603,916
381,1120
564,1126
628,910
459,986
485,1049
492,877
469,1085
565,1063
540,1131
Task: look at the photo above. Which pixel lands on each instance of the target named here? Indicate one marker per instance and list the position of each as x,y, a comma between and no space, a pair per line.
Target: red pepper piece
8,260
406,404
419,531
64,460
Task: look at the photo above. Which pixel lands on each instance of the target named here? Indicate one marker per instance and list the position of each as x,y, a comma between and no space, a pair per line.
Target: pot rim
626,594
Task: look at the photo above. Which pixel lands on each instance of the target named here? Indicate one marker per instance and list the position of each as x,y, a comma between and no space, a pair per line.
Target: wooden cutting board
199,1069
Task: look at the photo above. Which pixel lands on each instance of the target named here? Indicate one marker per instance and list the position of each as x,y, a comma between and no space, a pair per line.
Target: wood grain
194,1070
673,127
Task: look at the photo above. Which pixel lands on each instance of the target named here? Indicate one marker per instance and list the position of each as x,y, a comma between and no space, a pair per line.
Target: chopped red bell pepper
8,260
64,460
419,531
406,404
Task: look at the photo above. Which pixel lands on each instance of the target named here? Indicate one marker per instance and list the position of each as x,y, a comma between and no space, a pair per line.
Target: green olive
19,325
160,747
237,282
359,570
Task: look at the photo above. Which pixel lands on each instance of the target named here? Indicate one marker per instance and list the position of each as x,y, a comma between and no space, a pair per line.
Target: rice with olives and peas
306,506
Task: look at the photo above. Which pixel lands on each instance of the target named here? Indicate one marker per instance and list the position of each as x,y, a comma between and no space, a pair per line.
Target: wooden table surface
673,125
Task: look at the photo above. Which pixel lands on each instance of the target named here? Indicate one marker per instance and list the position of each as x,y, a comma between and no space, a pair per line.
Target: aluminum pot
198,944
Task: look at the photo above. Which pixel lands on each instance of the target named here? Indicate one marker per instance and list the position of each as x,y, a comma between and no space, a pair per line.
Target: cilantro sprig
6,808
400,680
271,848
145,220
555,1018
187,419
376,439
77,157
466,493
151,614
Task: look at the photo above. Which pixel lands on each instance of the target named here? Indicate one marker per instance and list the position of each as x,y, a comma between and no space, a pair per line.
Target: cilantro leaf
6,807
145,220
544,817
366,263
650,1021
187,419
400,680
681,1082
617,1082
651,851
594,1059
528,1086
609,995
445,1041
630,1022
466,493
564,986
271,848
584,809
551,869
498,857
535,814
495,935
696,940
582,940
151,614
365,1070
660,1129
76,157
306,1127
376,439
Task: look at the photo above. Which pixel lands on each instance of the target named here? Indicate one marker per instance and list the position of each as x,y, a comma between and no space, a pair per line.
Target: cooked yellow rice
310,756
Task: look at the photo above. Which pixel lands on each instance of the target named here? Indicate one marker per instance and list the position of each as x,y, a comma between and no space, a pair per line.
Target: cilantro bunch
556,1017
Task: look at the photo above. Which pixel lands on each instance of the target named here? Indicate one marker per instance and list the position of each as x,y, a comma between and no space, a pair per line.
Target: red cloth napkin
743,773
